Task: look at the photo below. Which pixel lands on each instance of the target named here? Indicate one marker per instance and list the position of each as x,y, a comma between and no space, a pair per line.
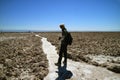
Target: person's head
62,26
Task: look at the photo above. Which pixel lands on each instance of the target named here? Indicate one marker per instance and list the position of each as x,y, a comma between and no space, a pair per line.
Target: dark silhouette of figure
63,73
63,47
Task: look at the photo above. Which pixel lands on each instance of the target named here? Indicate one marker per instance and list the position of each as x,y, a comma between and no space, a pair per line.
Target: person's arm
64,34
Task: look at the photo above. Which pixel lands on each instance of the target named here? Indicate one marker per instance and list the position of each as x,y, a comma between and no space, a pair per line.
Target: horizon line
54,31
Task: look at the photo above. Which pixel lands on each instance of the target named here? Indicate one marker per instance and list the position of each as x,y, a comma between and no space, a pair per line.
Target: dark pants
63,49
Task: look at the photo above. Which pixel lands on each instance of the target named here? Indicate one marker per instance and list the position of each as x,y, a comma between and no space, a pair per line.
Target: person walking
63,46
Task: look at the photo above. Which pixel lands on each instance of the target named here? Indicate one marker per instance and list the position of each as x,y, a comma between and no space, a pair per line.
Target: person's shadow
63,73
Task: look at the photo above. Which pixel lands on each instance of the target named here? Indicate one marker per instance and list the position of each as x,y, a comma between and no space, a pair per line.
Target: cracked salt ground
75,70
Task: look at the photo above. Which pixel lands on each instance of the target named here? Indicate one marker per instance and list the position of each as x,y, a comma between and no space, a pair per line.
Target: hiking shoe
57,64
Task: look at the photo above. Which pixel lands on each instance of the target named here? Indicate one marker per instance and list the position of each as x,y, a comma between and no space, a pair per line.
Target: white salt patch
52,58
100,59
87,71
37,36
112,78
26,76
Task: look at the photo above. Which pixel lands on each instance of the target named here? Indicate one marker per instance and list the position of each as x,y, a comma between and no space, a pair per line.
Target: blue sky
77,15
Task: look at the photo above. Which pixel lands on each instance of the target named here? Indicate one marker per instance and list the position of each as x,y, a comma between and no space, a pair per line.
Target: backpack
69,39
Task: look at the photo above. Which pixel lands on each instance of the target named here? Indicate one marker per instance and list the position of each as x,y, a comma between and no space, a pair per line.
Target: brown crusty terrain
22,57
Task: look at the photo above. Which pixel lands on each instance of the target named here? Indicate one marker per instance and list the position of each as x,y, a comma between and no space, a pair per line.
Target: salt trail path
79,70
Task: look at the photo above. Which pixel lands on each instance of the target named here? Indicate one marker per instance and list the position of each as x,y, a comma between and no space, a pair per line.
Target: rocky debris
22,58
